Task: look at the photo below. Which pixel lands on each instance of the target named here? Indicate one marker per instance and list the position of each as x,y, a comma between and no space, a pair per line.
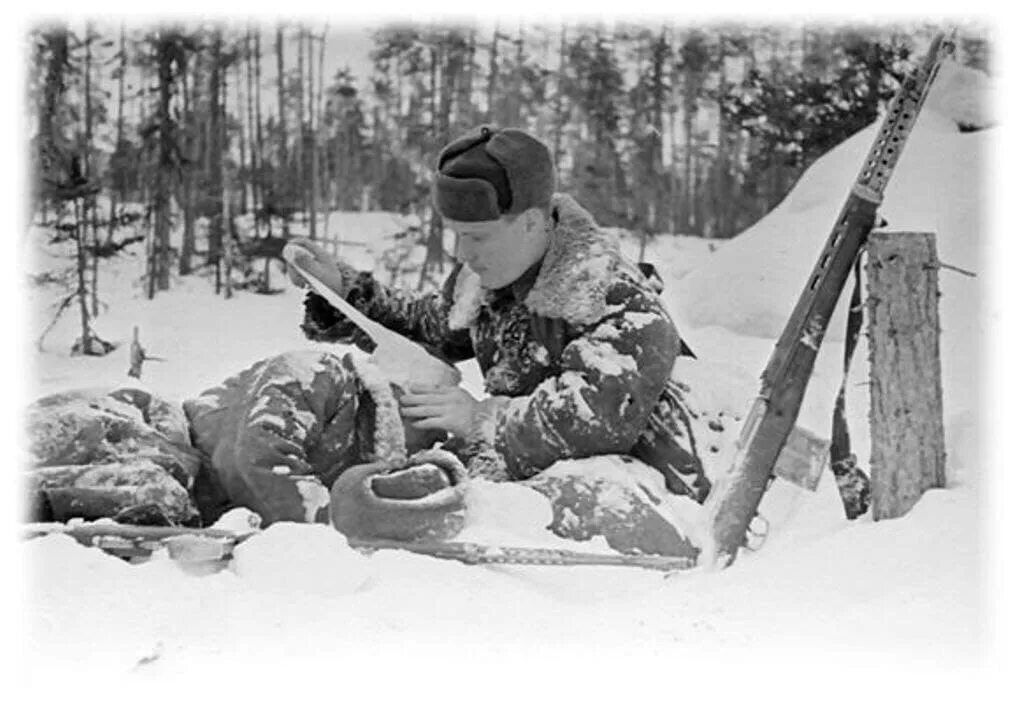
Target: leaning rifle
733,502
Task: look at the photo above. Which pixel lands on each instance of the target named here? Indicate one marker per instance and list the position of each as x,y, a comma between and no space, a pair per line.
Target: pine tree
597,91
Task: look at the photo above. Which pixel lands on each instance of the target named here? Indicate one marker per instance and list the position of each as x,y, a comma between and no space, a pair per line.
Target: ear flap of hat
469,200
527,162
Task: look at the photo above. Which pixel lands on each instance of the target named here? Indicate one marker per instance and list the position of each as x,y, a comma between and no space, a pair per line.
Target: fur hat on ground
491,172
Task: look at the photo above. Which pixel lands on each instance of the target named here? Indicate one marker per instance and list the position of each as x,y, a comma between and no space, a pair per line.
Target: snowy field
826,601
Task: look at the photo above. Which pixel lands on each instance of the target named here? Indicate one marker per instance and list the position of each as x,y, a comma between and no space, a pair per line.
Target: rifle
185,544
214,547
734,498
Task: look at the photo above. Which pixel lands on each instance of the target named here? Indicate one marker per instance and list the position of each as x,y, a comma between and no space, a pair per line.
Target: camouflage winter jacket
577,356
121,453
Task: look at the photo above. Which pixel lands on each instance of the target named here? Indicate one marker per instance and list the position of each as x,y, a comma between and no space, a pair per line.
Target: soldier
576,347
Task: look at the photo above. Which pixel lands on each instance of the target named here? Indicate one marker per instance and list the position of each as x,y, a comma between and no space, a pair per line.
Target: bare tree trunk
689,193
243,163
464,103
435,64
165,150
90,202
115,196
675,225
301,182
230,248
698,206
214,154
560,84
228,233
392,118
188,238
436,233
88,99
515,114
51,153
312,201
249,125
661,210
448,65
140,187
719,184
908,453
320,166
492,76
341,167
260,185
282,133
81,266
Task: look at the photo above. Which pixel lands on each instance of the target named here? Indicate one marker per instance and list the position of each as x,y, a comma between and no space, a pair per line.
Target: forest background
215,142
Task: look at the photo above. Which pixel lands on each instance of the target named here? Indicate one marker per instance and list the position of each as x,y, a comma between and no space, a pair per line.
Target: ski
734,499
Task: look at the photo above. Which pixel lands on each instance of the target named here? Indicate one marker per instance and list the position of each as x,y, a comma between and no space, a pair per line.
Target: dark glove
324,323
424,499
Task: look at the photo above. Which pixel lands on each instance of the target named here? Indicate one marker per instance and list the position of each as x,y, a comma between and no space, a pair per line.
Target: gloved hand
424,499
308,255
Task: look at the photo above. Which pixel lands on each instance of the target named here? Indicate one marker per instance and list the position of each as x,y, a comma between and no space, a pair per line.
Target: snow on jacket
272,438
297,417
121,453
577,356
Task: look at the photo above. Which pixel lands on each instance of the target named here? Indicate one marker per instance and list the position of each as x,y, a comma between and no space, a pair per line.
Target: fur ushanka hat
491,172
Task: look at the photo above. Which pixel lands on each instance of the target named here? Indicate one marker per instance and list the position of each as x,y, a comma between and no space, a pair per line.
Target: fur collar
388,430
574,276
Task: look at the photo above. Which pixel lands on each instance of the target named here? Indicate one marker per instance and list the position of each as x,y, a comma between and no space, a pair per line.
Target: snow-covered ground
823,596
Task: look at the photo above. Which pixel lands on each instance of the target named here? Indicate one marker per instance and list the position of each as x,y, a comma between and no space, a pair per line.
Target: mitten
423,499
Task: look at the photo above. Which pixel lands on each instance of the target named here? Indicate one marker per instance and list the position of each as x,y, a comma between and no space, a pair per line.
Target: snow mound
935,189
311,559
768,264
506,513
58,559
964,95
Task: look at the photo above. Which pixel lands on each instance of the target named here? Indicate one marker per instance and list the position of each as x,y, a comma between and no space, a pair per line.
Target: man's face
499,252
